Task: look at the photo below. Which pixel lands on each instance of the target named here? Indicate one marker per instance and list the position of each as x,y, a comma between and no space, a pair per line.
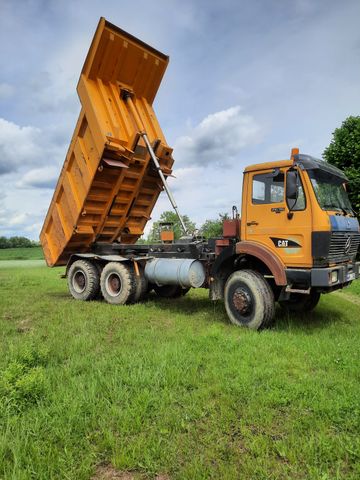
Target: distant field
170,388
33,253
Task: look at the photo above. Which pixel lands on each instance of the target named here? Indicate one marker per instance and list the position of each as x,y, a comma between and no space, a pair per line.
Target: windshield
330,191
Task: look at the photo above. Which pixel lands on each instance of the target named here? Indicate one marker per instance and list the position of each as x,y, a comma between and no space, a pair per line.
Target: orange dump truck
297,237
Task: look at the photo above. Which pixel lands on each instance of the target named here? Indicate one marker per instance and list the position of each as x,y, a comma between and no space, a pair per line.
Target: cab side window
268,188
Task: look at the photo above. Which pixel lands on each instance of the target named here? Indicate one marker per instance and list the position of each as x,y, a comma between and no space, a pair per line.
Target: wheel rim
113,284
79,281
241,303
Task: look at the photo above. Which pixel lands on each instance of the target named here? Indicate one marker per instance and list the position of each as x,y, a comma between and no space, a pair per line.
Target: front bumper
323,277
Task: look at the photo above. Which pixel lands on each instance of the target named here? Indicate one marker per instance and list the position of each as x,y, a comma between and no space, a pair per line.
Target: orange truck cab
298,236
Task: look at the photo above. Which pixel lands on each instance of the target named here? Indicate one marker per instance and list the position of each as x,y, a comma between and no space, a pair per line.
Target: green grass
354,288
171,387
32,253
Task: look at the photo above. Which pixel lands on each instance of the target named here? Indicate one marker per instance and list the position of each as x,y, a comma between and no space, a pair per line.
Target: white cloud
44,177
18,146
24,147
218,138
14,222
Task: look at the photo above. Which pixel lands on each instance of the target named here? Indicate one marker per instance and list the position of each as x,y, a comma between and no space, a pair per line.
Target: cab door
267,221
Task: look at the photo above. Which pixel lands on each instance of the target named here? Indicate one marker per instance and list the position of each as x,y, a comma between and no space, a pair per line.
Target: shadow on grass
188,305
310,322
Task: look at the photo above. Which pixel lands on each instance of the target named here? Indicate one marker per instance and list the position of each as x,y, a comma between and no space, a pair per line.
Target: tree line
17,242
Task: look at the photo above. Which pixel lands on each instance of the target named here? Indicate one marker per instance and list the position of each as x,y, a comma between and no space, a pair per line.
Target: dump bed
108,185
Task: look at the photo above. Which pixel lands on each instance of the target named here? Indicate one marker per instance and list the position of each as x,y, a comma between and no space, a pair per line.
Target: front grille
340,250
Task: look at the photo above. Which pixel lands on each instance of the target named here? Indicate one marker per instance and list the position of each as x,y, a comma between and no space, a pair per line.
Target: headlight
334,276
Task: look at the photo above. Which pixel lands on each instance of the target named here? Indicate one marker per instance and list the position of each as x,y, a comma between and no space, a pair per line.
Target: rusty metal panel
108,187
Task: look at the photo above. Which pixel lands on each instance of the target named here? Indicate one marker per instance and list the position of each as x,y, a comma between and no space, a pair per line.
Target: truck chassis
248,282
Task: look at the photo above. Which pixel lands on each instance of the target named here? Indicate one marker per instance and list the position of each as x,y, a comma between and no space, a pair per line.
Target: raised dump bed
108,185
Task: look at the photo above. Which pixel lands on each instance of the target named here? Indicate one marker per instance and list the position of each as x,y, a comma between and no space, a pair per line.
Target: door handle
249,224
278,209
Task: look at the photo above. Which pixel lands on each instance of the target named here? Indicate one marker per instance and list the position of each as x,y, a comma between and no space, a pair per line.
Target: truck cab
300,211
299,238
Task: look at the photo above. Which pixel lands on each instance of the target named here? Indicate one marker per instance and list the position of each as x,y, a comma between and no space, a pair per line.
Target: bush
24,381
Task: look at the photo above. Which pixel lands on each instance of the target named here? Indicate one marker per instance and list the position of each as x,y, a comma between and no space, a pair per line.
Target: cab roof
305,162
269,165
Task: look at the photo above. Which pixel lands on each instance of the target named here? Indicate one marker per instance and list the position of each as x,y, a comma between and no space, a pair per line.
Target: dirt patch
24,326
108,472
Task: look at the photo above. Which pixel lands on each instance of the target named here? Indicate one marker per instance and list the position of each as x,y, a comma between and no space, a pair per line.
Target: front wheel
299,302
249,300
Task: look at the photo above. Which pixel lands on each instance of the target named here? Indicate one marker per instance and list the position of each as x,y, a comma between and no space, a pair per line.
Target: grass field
170,388
32,253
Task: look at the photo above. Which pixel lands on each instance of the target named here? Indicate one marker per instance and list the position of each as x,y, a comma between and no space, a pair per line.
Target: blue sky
247,80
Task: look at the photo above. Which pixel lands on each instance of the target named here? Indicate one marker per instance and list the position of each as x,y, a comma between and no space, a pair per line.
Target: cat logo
284,243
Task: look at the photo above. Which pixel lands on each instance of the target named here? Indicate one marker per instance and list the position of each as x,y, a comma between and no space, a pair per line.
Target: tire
99,267
83,280
249,300
170,291
141,285
299,302
117,283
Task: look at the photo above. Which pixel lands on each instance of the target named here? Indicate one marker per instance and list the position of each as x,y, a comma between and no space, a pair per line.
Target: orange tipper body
108,185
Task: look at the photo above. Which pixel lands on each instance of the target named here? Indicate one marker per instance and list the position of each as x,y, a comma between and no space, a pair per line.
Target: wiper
350,211
344,211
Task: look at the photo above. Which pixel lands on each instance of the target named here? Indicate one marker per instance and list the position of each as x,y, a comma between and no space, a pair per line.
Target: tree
171,217
214,228
16,242
344,153
4,242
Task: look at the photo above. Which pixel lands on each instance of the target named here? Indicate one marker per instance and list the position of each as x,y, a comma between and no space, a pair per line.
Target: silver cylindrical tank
175,271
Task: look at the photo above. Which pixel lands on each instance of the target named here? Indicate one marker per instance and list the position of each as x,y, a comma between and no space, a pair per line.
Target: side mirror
292,190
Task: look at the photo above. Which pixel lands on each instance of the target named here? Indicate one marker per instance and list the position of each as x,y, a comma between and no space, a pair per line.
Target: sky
247,81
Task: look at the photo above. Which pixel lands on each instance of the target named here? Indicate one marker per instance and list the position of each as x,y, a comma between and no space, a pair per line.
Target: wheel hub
79,281
114,284
242,301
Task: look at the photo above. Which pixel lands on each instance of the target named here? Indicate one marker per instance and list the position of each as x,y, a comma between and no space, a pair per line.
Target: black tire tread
92,279
128,283
303,305
258,283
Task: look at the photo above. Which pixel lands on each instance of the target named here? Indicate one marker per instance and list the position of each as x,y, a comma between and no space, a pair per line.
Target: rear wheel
249,300
170,291
83,280
117,283
299,302
141,285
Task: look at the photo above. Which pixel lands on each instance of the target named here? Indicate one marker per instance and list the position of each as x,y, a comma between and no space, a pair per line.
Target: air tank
175,271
